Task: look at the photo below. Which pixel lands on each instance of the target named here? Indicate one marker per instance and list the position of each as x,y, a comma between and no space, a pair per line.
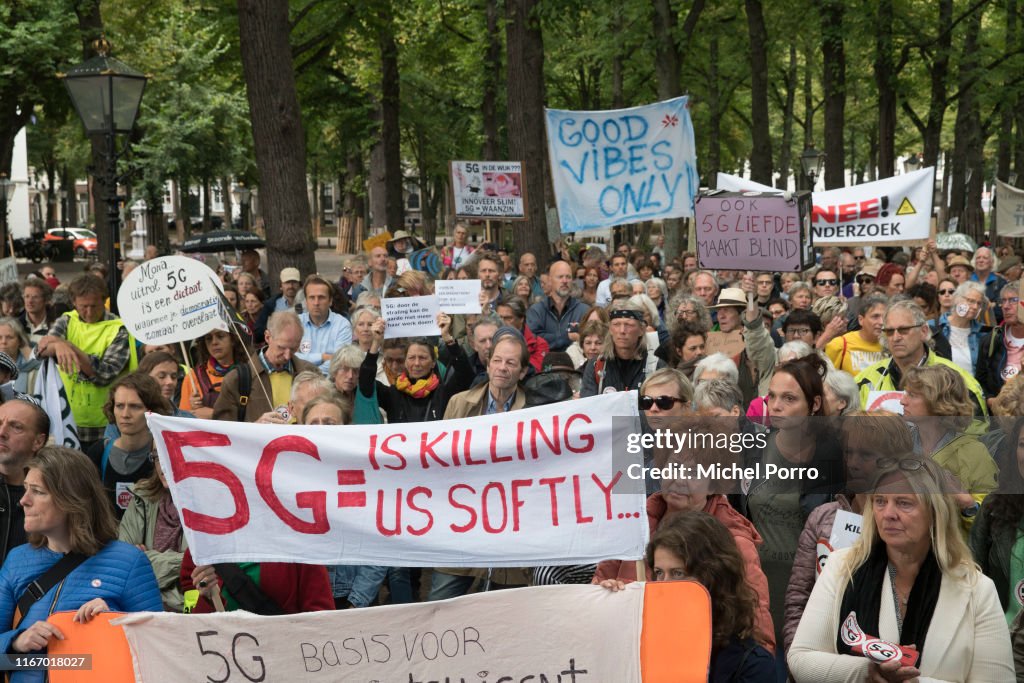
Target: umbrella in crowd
947,241
222,240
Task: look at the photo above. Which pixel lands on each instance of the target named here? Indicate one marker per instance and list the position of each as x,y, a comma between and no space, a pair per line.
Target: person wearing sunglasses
625,360
905,335
1001,351
910,580
826,283
863,287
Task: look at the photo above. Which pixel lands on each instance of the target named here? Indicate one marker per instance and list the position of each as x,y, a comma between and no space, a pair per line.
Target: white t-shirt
961,347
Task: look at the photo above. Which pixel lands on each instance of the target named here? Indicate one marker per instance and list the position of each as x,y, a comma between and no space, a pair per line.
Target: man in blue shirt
323,330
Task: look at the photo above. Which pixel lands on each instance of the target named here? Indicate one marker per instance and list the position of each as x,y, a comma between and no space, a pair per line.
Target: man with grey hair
905,333
257,389
1001,351
625,361
985,265
305,387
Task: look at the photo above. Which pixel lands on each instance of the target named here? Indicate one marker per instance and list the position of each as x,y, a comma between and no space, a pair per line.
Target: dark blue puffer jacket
119,573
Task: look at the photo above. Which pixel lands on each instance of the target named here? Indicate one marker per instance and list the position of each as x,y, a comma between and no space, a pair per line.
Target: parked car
84,239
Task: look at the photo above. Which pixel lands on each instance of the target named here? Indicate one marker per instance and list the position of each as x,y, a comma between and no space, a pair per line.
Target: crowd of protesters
819,362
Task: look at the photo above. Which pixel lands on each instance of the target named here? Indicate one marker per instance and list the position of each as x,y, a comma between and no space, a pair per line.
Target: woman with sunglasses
625,361
152,524
696,546
800,437
946,288
908,580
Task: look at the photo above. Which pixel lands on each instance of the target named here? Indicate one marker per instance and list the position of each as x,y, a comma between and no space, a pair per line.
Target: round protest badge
962,310
306,346
1009,372
1019,592
850,631
171,299
609,390
822,552
882,651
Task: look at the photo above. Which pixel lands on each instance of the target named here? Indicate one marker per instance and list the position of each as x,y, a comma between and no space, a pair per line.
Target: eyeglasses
1010,302
680,314
663,402
858,258
864,279
946,292
797,331
831,283
905,464
904,331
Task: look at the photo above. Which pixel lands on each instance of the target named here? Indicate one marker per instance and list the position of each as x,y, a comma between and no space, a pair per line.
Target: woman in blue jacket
68,520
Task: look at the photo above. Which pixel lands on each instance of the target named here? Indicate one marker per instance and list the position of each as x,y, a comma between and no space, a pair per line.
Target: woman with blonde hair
909,581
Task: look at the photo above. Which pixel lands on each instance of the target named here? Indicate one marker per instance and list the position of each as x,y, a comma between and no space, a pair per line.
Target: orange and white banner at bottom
648,633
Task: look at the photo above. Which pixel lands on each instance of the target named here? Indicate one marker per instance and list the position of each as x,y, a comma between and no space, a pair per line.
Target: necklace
898,601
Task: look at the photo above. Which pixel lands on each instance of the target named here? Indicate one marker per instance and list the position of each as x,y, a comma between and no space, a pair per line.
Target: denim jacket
973,337
360,584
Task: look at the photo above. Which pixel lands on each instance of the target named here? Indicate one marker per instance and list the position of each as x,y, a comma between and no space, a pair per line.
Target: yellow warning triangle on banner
906,208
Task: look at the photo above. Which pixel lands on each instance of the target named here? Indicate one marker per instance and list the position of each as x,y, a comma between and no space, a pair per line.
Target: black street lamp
812,161
242,194
912,163
106,94
63,208
7,188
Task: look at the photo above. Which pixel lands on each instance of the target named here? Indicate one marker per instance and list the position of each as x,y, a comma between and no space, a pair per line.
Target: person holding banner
420,393
92,349
73,557
906,601
695,546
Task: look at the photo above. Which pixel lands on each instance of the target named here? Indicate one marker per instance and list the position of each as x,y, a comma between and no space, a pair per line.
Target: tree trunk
90,24
939,73
226,201
714,164
786,149
885,82
618,64
492,82
207,208
761,151
667,64
70,209
51,197
808,102
277,133
389,154
968,164
834,86
1004,153
525,92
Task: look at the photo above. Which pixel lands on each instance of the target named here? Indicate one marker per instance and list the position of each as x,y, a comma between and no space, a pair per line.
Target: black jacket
12,519
402,407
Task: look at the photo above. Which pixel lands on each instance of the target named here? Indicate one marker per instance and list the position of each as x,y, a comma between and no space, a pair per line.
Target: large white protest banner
890,211
171,299
527,487
573,634
1009,210
622,166
458,296
488,189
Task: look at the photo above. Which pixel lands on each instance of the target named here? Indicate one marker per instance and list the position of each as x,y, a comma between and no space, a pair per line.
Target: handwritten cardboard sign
466,493
458,296
489,189
412,316
622,166
170,299
751,231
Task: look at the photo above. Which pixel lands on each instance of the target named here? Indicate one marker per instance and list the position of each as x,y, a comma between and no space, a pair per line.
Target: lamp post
63,208
242,194
911,163
812,161
7,188
106,94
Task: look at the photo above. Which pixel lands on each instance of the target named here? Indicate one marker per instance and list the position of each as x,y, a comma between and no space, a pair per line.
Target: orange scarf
421,388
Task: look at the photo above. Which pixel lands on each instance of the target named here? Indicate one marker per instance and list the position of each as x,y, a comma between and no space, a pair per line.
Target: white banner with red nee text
572,634
522,488
896,209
